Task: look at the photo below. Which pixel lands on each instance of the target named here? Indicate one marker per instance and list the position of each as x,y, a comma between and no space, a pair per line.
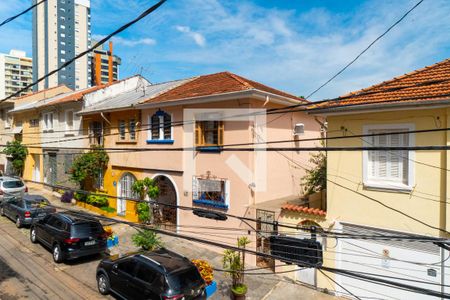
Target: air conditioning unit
299,129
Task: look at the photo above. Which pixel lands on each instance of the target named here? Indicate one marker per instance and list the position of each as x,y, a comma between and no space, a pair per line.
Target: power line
365,50
21,13
359,276
335,282
101,42
336,234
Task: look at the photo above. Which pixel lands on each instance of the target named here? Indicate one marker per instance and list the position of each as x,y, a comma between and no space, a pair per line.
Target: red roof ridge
386,82
304,209
240,79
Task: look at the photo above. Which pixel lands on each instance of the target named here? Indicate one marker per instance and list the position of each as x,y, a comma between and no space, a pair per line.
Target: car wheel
33,238
57,255
18,222
103,284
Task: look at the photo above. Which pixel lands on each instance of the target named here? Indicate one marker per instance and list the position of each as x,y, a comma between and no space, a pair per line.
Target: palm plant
234,264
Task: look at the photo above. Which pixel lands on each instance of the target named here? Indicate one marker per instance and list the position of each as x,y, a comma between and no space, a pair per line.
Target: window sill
127,142
385,187
69,134
209,203
48,130
211,149
160,142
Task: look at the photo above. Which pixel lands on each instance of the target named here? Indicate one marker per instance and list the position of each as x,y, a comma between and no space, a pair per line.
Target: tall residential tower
15,73
61,30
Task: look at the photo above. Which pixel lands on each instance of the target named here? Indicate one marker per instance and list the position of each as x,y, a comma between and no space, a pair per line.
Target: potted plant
234,264
207,273
147,239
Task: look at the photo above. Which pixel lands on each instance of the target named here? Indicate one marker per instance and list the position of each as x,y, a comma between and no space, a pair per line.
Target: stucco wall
429,187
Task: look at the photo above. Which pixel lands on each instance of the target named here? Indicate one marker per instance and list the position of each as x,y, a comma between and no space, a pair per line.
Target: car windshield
184,279
36,203
86,229
13,184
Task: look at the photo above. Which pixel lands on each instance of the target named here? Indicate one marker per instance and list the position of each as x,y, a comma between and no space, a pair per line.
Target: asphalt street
27,270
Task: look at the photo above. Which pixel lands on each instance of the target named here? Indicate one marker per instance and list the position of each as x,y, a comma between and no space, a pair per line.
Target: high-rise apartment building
15,73
61,30
105,65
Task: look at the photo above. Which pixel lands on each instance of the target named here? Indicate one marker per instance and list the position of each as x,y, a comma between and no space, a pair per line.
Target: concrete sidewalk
259,286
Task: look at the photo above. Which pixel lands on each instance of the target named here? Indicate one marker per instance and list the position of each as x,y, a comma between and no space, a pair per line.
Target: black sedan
26,209
69,237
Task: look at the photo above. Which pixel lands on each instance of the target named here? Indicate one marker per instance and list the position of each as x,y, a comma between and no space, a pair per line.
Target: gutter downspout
104,118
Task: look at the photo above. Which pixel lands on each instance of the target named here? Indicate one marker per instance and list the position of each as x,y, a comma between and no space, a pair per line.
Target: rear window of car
13,184
186,278
86,229
36,203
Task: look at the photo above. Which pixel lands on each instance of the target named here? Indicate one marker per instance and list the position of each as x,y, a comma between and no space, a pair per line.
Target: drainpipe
104,118
446,193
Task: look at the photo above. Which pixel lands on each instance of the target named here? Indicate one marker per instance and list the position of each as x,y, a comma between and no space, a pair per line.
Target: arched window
161,126
126,182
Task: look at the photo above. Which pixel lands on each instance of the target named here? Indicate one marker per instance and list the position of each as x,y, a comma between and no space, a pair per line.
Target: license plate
41,215
90,243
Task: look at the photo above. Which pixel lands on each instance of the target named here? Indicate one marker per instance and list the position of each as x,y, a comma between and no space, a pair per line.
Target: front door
51,170
124,192
37,168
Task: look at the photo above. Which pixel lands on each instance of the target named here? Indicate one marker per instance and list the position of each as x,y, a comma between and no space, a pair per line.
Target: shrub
88,166
205,269
97,200
143,212
108,209
80,197
67,197
147,239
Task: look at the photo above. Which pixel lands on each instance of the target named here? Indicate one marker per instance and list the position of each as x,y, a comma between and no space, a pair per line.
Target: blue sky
292,45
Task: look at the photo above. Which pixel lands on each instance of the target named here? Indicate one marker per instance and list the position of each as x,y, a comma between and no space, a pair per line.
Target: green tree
234,264
87,167
18,154
315,179
142,188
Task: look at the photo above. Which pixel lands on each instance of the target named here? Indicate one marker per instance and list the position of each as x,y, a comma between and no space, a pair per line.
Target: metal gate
264,231
52,168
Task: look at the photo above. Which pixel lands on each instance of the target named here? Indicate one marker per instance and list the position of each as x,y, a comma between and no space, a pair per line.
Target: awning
17,129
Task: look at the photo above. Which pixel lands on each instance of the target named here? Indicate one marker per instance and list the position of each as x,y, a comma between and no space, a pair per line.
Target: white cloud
127,42
198,38
298,51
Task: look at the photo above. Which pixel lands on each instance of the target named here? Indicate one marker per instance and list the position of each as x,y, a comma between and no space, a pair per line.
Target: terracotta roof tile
304,209
420,86
216,84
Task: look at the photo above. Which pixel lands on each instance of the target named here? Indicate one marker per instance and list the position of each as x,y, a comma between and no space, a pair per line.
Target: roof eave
250,93
341,110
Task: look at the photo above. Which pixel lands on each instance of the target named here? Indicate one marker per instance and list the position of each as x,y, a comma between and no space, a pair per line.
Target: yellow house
389,192
26,126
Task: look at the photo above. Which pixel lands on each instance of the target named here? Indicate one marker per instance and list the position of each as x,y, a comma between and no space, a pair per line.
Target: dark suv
69,237
161,274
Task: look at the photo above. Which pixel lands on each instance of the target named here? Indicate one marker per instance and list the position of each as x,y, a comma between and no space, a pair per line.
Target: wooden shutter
220,133
198,134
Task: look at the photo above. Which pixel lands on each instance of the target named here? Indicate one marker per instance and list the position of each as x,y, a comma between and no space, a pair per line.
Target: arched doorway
124,192
167,195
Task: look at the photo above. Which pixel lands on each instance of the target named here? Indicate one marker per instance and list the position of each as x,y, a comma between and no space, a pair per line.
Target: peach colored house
196,134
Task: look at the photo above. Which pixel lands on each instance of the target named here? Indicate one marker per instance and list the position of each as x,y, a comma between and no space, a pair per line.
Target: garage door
415,261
